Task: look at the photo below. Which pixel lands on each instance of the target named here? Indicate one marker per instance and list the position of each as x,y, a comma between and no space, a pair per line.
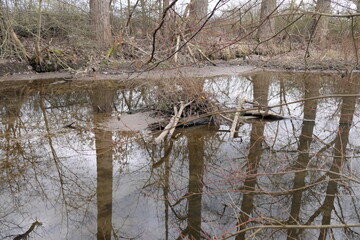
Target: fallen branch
26,234
170,128
202,54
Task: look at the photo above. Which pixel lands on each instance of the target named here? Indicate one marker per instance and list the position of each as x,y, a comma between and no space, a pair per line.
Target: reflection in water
311,89
102,102
88,181
346,112
260,90
195,148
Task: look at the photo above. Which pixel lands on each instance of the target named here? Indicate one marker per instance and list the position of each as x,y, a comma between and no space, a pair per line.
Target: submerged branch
284,226
26,234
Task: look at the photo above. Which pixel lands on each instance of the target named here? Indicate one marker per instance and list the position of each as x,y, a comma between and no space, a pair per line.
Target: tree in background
321,23
173,30
100,22
198,10
267,28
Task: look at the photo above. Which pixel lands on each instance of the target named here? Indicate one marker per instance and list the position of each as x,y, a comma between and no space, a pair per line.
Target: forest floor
329,61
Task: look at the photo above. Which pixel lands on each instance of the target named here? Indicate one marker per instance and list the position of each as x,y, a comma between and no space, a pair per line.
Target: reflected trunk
311,90
166,160
196,172
342,138
102,102
260,91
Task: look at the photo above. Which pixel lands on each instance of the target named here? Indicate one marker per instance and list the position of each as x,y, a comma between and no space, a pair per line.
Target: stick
236,119
177,48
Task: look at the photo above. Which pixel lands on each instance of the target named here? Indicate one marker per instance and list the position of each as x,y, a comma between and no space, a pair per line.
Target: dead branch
202,54
26,234
170,128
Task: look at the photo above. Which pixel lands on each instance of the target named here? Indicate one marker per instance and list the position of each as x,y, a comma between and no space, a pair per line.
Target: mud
183,72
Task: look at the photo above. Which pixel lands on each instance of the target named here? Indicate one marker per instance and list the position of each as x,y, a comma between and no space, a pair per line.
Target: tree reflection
347,110
198,185
196,173
260,91
102,104
311,89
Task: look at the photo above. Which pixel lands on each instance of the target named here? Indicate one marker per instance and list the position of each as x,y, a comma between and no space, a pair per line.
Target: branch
158,28
292,227
170,128
186,42
26,234
131,13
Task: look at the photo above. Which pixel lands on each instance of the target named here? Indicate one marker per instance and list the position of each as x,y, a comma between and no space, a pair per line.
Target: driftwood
256,111
264,114
170,128
241,113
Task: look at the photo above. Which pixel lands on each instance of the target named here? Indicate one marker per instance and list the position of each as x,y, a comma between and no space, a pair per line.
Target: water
273,181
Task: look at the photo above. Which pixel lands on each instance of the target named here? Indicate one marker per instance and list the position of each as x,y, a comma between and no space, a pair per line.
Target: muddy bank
204,71
290,61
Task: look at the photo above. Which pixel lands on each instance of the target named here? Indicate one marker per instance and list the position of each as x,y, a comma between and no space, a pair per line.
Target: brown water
288,179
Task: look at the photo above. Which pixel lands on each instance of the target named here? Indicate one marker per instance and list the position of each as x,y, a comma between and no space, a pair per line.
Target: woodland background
110,34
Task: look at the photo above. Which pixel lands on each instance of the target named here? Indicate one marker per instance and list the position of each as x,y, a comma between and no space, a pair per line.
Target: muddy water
288,179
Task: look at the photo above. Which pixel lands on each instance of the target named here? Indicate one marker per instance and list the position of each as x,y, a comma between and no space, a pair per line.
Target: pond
69,176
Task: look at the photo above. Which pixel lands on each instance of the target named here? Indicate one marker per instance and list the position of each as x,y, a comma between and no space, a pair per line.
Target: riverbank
294,61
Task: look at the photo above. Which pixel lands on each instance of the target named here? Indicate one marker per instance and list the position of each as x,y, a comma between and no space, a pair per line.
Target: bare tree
198,10
100,21
267,28
320,26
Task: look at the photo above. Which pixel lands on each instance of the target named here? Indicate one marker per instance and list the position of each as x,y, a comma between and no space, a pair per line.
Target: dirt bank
290,61
202,71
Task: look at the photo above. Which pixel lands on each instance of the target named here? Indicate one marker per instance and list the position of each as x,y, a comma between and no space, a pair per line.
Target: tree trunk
100,22
198,11
169,24
144,21
321,23
267,29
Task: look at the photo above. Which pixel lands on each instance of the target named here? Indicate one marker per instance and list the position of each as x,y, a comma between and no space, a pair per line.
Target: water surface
288,179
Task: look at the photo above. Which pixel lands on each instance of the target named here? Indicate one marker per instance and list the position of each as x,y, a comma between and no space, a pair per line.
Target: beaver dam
260,156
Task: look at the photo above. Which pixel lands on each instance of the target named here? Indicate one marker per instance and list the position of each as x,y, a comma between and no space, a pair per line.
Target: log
264,114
